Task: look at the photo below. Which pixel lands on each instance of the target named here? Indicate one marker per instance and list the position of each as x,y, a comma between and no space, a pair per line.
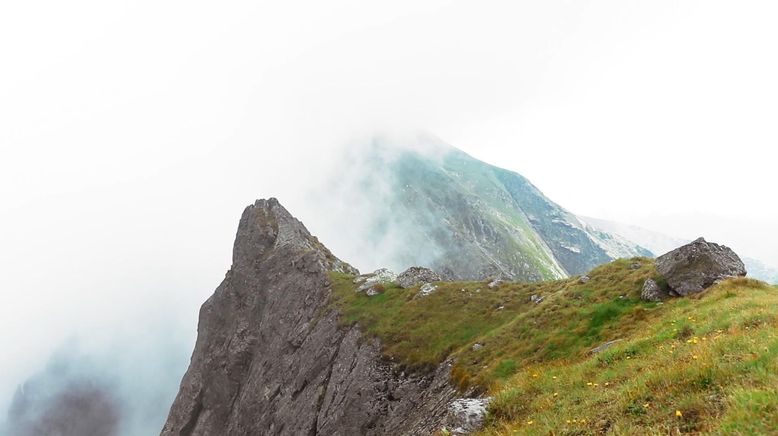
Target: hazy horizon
134,133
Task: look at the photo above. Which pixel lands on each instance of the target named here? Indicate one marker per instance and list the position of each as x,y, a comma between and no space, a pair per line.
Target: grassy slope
465,178
713,359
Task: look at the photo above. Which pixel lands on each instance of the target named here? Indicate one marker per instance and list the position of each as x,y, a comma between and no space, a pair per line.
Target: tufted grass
708,365
712,357
420,332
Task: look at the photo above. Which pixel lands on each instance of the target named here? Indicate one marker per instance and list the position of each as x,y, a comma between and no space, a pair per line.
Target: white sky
132,133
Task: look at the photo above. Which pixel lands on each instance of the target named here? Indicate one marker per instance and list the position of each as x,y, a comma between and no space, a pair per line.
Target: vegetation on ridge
706,364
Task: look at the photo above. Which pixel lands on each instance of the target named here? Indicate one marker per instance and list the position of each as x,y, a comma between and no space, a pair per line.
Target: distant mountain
470,220
67,398
659,244
655,242
759,270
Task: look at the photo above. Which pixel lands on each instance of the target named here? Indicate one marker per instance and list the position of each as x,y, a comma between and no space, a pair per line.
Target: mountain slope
468,219
702,365
289,344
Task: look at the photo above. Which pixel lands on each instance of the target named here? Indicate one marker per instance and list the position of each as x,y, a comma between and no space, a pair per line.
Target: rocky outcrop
272,359
652,291
417,275
427,289
374,283
696,266
466,415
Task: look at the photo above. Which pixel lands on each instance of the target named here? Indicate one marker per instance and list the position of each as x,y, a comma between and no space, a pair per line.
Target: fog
134,133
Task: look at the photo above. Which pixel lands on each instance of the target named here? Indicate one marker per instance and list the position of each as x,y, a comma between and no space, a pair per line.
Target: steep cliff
271,357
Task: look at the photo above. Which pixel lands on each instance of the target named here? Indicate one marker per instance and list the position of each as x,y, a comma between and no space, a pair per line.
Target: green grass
713,357
722,377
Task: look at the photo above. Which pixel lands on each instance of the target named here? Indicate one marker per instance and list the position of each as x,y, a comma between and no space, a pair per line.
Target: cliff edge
271,358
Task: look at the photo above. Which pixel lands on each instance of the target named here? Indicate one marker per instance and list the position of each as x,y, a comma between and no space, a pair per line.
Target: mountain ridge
291,343
427,203
271,357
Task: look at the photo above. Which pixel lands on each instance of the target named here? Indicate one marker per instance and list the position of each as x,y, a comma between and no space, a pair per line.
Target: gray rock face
271,359
696,266
416,275
652,292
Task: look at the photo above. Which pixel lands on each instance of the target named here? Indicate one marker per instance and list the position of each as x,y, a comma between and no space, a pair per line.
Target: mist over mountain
295,341
388,201
87,387
415,200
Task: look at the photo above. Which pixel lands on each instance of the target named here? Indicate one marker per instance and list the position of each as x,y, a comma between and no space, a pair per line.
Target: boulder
466,415
536,298
698,265
584,280
495,283
652,291
417,275
427,289
375,290
370,281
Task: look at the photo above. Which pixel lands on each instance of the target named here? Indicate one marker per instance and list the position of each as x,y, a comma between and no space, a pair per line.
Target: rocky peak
266,227
271,356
